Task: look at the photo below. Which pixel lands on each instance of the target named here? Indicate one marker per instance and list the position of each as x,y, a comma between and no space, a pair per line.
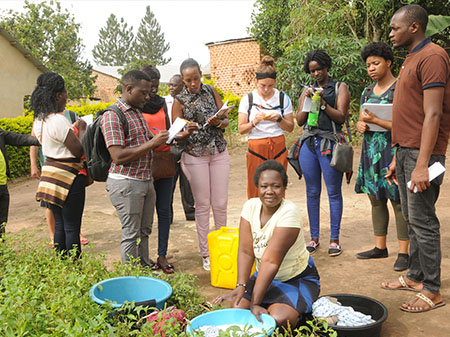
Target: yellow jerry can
223,251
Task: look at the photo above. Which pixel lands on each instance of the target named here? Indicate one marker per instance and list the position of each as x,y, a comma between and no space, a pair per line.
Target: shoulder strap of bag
368,92
282,103
349,132
391,93
73,116
123,119
250,105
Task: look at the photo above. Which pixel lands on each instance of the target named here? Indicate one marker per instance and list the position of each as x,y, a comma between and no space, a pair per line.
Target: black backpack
98,158
251,104
369,90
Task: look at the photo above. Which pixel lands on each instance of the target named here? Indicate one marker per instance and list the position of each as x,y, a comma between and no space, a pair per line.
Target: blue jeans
423,225
68,218
313,165
163,189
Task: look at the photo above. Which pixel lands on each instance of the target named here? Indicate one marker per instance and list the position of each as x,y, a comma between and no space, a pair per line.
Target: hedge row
19,156
19,161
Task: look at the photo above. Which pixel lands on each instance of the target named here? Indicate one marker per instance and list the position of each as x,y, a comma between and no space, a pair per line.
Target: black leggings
68,218
4,207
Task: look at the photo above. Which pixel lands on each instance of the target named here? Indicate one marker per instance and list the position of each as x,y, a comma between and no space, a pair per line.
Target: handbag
342,156
163,165
292,158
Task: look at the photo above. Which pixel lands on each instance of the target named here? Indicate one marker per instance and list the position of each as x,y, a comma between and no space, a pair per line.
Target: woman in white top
265,114
62,182
286,282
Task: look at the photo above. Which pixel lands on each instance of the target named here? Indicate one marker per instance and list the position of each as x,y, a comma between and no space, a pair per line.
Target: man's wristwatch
323,106
279,119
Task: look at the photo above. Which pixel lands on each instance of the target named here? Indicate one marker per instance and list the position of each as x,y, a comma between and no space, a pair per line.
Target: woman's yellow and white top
287,215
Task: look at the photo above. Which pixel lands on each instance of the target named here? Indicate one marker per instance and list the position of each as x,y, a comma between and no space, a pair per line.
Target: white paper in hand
224,109
88,119
434,171
175,128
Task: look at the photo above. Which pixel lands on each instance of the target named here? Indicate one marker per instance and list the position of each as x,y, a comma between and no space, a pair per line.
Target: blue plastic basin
232,316
131,288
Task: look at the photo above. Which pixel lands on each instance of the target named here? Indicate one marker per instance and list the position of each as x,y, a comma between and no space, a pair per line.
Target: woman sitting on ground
376,155
286,283
63,177
265,114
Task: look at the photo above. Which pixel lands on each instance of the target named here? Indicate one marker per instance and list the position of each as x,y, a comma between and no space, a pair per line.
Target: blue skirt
300,292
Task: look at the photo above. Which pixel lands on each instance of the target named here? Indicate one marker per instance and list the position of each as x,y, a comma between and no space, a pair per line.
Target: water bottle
313,115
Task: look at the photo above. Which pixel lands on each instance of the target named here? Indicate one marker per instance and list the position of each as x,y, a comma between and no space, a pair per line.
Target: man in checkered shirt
129,181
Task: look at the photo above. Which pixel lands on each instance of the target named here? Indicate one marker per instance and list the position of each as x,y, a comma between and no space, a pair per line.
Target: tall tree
115,42
150,45
342,27
269,20
51,34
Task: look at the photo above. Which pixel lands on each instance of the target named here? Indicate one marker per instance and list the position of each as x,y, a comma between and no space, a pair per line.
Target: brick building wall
105,86
233,64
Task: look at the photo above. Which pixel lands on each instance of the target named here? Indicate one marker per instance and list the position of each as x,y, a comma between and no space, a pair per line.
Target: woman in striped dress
62,182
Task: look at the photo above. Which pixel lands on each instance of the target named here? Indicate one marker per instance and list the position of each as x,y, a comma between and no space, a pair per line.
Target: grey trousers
423,224
134,201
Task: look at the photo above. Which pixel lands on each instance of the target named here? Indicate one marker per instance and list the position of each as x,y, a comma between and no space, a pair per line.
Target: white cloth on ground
347,316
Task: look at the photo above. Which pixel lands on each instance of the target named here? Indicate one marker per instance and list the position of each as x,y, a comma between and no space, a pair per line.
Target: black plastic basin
366,305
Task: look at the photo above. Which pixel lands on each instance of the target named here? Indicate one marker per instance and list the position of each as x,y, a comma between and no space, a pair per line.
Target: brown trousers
263,149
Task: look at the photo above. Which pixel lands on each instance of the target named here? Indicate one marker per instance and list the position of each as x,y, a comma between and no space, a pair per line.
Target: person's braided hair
43,98
318,55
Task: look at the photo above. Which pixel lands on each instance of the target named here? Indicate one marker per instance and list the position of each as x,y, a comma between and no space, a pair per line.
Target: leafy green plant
313,328
42,294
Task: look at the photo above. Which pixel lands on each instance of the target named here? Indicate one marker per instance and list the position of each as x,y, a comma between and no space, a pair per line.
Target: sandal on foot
167,269
154,266
311,247
404,285
427,301
335,249
84,241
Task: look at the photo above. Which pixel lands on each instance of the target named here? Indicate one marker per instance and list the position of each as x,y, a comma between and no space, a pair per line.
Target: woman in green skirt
377,152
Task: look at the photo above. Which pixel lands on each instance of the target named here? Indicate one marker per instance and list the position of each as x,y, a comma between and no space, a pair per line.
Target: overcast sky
187,25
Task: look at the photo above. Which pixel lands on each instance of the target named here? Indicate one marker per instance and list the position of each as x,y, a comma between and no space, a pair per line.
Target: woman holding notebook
265,114
377,152
205,160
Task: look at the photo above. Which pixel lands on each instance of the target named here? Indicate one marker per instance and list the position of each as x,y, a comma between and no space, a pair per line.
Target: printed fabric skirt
376,155
300,292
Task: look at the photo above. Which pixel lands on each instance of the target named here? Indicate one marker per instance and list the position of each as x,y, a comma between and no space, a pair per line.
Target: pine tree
115,42
149,44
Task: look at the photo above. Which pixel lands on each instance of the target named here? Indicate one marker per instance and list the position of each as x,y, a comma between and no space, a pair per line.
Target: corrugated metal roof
109,70
244,39
26,53
166,71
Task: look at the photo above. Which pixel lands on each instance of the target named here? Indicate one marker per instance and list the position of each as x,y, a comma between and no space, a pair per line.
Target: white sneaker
206,264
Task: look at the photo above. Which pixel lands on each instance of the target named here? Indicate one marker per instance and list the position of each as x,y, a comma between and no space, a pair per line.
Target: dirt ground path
342,274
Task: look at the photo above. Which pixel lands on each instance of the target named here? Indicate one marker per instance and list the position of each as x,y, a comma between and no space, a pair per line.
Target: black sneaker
374,253
402,262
